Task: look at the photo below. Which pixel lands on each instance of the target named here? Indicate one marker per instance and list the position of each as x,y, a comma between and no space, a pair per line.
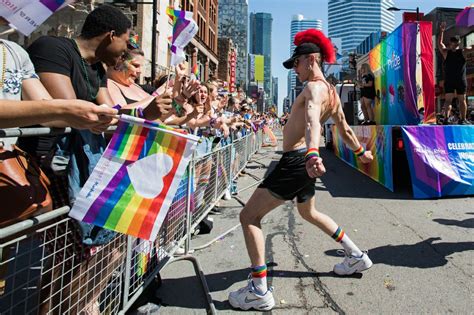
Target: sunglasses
297,61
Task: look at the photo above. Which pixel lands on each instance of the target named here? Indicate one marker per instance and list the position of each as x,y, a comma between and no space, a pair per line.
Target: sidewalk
422,252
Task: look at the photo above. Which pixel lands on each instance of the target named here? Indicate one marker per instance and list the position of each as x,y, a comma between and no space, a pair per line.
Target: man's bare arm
314,93
75,113
441,46
347,134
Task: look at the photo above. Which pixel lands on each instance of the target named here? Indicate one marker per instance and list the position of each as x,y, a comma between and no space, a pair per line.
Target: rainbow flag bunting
133,185
184,29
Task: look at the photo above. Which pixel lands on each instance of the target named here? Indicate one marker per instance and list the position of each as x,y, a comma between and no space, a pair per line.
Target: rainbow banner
441,160
133,185
27,15
404,79
378,140
184,29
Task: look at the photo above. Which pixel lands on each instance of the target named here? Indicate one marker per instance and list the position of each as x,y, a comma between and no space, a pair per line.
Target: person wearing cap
295,175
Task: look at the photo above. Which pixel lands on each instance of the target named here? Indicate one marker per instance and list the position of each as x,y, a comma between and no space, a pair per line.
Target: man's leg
256,294
356,260
462,106
364,109
261,203
448,99
370,110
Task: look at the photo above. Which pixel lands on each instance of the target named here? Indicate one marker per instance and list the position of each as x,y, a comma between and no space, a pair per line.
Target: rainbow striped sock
259,278
346,242
338,235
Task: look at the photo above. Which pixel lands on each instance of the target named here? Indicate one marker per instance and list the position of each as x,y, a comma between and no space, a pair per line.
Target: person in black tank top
454,69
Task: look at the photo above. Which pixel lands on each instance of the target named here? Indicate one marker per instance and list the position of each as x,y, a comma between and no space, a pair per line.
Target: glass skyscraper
261,44
298,24
353,20
233,23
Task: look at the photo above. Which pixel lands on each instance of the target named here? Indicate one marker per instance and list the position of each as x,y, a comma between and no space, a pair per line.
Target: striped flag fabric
133,185
27,15
184,29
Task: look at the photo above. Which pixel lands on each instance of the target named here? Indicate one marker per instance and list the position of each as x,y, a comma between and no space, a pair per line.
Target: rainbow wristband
311,154
360,151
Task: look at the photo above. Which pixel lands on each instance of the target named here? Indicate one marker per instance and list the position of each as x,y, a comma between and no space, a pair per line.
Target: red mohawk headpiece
317,37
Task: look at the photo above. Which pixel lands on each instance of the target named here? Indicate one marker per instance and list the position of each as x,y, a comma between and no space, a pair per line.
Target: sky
283,10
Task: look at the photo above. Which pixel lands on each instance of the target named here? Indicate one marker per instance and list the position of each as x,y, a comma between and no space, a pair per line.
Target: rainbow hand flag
133,185
184,29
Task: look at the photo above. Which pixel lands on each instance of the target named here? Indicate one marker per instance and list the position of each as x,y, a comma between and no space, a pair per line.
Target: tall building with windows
261,44
202,50
298,24
233,24
354,20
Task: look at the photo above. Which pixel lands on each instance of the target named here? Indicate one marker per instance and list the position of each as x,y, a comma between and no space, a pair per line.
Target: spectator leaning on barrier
20,82
72,69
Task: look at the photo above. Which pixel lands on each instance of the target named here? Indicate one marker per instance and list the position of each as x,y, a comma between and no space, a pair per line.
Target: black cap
303,49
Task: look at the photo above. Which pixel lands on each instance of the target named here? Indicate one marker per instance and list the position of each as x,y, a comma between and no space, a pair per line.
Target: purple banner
441,160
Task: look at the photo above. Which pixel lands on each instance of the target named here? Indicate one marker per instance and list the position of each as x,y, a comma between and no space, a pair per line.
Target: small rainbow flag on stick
195,71
133,185
184,29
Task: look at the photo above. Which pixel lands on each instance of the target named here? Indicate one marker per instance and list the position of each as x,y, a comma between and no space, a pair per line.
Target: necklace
89,85
4,65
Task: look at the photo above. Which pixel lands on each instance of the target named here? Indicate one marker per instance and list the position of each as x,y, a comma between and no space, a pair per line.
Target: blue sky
283,10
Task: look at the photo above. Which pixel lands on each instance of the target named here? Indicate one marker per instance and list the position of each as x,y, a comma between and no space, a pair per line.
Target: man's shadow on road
424,254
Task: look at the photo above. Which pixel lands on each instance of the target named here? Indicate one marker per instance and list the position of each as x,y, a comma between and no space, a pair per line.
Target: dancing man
295,175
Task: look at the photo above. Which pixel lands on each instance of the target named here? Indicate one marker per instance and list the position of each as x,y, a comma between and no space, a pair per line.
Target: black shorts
459,87
290,179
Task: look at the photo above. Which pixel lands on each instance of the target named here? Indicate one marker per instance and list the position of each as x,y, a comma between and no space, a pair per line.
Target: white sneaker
227,195
245,298
353,264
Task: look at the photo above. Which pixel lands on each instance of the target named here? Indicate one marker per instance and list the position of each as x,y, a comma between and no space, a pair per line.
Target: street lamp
417,10
153,32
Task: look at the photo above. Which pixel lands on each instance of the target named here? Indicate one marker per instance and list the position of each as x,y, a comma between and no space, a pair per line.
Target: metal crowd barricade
44,269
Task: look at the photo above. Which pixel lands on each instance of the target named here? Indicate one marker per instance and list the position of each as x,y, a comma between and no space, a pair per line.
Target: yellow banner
259,60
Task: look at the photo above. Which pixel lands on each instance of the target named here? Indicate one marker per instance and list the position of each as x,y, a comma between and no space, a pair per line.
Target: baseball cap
303,49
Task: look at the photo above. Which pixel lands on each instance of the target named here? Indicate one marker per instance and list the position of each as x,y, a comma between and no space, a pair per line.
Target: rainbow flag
184,29
195,71
133,185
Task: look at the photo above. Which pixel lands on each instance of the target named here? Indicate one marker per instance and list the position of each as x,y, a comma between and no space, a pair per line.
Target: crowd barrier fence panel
45,269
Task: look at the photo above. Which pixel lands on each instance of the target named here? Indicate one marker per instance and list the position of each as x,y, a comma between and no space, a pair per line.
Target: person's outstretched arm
75,113
348,135
441,46
313,95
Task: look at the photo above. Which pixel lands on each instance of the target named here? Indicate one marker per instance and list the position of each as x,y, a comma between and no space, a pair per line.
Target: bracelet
360,151
137,112
311,154
140,113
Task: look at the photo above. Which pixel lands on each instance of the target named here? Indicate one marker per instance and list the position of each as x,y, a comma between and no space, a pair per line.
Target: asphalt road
423,252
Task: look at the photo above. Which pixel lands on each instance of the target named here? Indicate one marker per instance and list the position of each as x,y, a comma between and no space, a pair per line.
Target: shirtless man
296,173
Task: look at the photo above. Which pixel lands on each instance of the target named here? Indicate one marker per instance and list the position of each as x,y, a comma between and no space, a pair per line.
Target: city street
422,252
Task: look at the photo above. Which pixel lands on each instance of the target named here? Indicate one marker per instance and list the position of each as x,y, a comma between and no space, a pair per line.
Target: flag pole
155,126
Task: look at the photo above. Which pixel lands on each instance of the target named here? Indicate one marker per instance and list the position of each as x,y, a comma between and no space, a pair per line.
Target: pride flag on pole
27,15
133,185
184,29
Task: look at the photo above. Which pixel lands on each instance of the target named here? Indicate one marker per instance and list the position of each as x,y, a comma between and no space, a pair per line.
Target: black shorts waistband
298,152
